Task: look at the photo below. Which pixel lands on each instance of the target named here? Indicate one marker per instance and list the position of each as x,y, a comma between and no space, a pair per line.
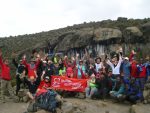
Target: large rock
67,107
146,31
140,108
132,31
75,39
146,27
102,34
132,35
85,37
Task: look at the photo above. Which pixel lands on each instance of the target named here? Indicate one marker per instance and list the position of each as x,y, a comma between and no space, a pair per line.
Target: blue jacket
126,68
134,89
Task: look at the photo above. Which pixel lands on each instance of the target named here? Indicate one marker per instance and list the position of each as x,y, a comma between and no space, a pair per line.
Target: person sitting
44,85
133,92
103,83
91,89
118,89
146,92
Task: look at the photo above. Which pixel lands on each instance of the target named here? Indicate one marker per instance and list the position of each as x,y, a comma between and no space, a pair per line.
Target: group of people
119,77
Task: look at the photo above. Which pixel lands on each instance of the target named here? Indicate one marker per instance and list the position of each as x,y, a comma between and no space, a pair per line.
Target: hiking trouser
103,92
91,91
6,85
18,83
142,82
132,98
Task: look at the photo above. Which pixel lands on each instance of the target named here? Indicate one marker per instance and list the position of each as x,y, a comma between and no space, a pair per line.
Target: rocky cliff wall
103,36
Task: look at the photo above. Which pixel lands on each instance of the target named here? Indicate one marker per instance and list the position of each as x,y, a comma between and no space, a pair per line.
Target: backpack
47,101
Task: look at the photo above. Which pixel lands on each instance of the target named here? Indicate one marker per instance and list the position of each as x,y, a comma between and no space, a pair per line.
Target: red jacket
134,69
70,69
31,71
5,70
44,85
142,74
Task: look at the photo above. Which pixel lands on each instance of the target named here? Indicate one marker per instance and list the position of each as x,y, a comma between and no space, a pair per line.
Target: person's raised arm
74,62
24,62
108,61
77,58
120,59
42,76
65,61
132,55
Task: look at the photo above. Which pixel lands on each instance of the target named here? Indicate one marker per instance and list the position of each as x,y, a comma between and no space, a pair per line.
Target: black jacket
20,67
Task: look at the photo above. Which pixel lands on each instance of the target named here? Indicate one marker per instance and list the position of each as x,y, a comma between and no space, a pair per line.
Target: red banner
68,84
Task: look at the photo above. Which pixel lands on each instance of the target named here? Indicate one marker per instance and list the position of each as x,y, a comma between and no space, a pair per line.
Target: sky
18,17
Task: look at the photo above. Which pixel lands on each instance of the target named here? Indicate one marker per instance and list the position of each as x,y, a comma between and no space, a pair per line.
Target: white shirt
98,66
115,70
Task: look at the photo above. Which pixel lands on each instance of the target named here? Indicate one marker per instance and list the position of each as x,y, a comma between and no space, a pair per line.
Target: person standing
20,68
5,78
125,69
115,65
32,66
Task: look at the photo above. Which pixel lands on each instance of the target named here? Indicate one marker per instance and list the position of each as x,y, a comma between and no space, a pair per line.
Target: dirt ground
87,106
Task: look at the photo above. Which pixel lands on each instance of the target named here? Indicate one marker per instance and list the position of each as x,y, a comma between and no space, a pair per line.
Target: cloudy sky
19,17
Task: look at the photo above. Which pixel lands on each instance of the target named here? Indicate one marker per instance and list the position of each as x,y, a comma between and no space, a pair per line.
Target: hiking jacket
134,89
118,87
31,69
133,68
126,68
142,71
147,65
115,69
20,67
5,71
44,85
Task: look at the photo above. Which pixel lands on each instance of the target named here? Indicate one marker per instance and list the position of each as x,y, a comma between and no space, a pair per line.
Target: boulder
76,39
67,107
140,108
102,34
132,35
146,27
84,37
132,31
